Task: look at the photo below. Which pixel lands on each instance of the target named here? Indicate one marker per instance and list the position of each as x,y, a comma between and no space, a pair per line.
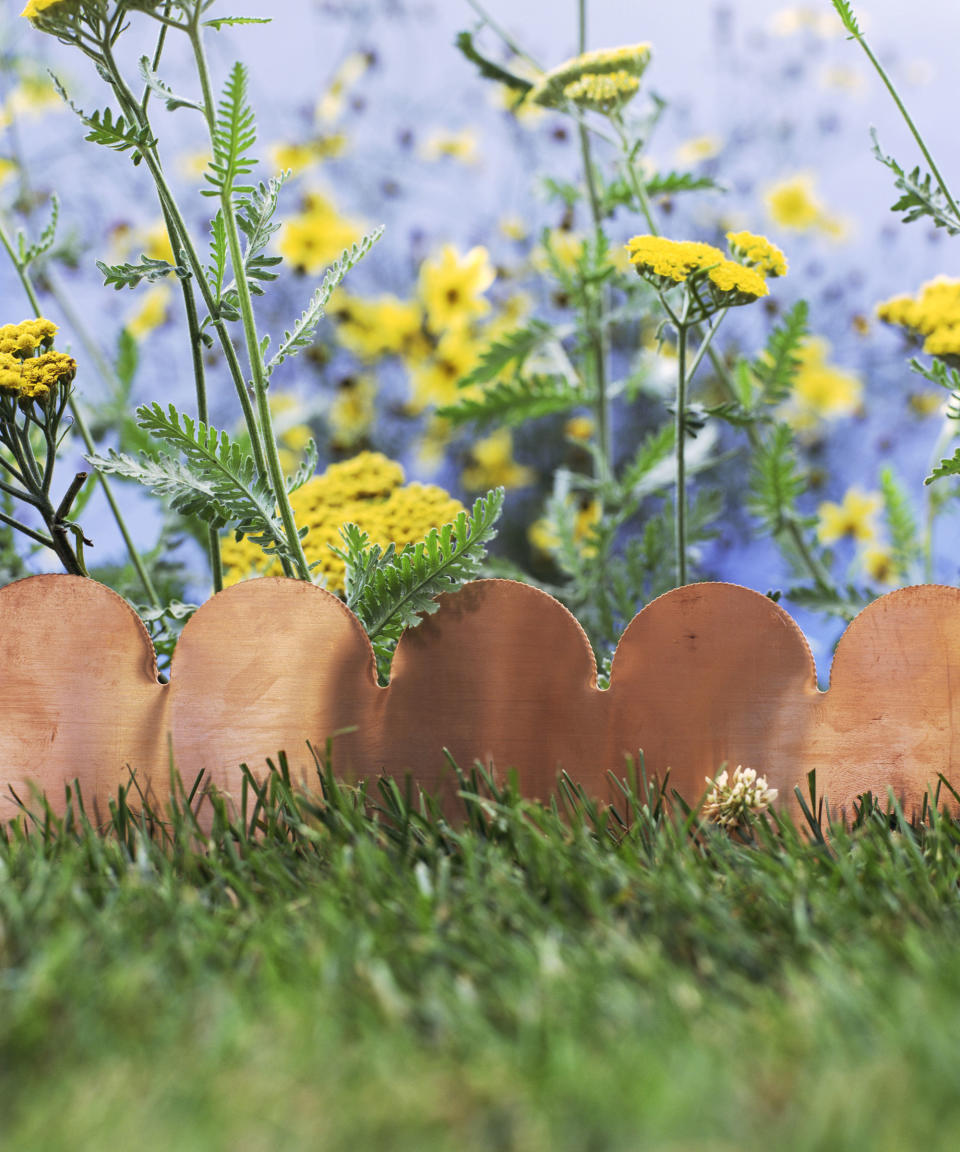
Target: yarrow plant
202,472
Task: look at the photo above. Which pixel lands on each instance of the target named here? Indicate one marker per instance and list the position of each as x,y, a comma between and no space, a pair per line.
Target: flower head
732,801
550,90
452,287
821,389
757,252
29,367
668,262
854,519
602,91
933,313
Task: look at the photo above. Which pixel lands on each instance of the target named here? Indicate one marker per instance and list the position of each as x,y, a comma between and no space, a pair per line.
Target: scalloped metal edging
706,674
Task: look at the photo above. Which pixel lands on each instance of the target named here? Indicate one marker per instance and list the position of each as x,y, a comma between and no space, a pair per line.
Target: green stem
680,502
251,337
75,411
909,122
46,541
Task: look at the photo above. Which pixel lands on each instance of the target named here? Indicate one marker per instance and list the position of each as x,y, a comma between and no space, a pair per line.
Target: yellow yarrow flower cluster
550,89
367,490
668,262
793,203
757,252
933,313
602,91
29,368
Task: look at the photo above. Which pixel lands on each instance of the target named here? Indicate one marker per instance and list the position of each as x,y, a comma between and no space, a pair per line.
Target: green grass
351,972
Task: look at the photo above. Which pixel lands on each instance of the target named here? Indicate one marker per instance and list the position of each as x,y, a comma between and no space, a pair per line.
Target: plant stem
248,319
59,297
680,501
878,67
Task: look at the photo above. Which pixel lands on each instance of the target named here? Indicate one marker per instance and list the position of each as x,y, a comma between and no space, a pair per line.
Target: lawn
349,971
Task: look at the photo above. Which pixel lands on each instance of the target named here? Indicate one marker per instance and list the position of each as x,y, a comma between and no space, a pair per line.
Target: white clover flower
731,801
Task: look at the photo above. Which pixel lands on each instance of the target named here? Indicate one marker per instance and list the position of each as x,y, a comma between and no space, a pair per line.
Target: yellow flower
602,92
318,236
434,382
549,90
352,413
492,464
37,8
383,326
545,538
29,368
854,519
934,313
151,312
879,565
793,204
331,104
672,259
297,158
460,146
452,287
697,150
8,168
738,280
366,490
514,228
757,252
579,428
821,390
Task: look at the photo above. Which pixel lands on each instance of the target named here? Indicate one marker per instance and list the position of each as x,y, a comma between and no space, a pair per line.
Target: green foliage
777,365
488,69
509,352
905,543
234,134
515,401
921,195
28,253
390,590
215,479
235,21
130,275
111,130
776,481
305,329
163,91
845,12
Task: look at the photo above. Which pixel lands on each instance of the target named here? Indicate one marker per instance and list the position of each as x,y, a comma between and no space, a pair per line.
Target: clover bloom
732,800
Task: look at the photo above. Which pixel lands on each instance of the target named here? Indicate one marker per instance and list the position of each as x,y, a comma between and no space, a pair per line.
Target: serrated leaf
307,467
234,133
775,479
112,131
302,334
234,21
921,197
513,402
391,590
845,12
216,480
776,367
130,275
28,253
509,351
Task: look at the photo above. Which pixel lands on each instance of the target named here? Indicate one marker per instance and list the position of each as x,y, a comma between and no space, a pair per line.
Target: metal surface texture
707,675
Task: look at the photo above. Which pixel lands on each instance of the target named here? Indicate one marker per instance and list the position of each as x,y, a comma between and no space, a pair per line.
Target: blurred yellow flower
433,383
545,538
452,287
8,169
579,428
298,157
462,146
879,565
793,204
318,236
514,228
821,390
352,413
697,150
366,490
492,464
854,519
381,326
353,68
151,312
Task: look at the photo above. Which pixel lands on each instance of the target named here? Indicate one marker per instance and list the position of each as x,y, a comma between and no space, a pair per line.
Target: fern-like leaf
845,12
901,524
777,365
775,480
235,21
306,468
234,134
390,590
921,196
515,401
302,334
216,480
27,253
113,131
510,351
130,275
